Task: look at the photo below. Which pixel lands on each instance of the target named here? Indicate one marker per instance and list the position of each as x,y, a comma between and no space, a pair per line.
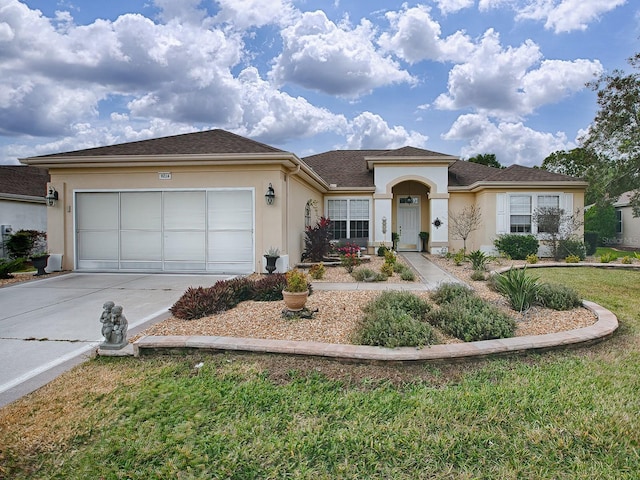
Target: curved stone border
604,327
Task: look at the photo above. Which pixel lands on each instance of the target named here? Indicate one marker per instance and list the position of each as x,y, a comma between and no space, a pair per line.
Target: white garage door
165,231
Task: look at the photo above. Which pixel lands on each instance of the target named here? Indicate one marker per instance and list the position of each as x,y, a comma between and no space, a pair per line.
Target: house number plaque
164,175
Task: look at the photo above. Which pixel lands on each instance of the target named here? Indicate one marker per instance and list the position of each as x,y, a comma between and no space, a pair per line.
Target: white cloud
511,142
512,82
567,15
416,37
453,6
244,14
335,59
370,131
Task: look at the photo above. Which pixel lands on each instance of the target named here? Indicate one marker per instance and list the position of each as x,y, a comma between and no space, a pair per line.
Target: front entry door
409,226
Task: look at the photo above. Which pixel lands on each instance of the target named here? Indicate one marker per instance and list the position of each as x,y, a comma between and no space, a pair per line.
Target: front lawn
561,415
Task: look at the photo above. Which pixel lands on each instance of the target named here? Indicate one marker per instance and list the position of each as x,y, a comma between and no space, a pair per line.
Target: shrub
7,267
268,288
393,328
520,288
607,257
479,260
242,288
408,276
458,257
451,292
390,257
626,260
472,319
533,258
399,267
25,243
316,240
201,302
516,246
572,259
558,297
415,306
317,271
297,281
382,250
348,248
492,282
368,275
571,246
387,269
350,261
478,276
591,242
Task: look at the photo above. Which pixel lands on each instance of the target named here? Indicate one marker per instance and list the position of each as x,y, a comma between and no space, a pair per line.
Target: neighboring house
196,202
627,226
22,204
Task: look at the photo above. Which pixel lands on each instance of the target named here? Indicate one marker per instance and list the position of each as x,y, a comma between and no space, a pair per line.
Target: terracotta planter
295,301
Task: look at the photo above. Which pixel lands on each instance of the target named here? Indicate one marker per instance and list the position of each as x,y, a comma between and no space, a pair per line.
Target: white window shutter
501,213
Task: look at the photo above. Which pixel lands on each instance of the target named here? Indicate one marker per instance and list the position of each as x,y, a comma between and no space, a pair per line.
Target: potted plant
31,245
296,291
424,236
271,255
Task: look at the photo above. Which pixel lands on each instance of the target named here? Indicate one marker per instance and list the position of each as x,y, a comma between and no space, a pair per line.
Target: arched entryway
411,214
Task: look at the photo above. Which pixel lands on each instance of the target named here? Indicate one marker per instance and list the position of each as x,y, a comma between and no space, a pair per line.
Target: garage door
165,231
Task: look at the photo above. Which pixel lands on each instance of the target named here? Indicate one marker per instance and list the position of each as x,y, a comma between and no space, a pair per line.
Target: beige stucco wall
630,236
300,192
269,219
457,203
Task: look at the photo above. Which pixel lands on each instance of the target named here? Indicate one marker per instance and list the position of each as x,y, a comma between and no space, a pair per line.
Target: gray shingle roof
22,180
207,142
344,168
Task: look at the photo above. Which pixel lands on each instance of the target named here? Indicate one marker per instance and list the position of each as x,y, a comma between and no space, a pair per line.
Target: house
627,226
22,203
214,201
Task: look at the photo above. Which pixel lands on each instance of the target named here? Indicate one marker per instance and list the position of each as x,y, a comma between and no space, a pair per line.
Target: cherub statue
107,321
120,325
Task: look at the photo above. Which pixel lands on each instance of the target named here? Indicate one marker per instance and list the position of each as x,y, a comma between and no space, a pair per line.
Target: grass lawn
561,415
614,253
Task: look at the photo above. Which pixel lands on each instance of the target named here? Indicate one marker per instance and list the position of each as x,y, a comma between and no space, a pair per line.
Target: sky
461,77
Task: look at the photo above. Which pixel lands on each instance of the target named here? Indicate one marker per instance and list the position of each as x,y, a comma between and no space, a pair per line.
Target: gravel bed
339,313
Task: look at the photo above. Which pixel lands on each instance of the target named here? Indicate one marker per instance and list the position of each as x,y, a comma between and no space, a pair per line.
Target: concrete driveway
49,325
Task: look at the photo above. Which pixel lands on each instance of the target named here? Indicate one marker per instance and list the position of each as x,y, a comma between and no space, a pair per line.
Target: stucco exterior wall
630,236
22,215
300,193
457,203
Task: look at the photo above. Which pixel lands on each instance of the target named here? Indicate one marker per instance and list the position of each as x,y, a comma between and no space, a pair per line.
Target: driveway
49,325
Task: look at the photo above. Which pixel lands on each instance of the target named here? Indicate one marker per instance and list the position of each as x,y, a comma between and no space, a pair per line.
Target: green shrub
396,319
478,276
479,260
7,267
517,246
382,250
408,276
317,271
268,288
607,257
450,292
520,288
390,257
415,306
399,267
626,260
533,258
391,328
558,297
364,274
458,258
24,243
387,269
572,259
591,242
349,261
472,319
571,246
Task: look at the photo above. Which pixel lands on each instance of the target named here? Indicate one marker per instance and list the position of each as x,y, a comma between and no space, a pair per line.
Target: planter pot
40,263
271,263
295,301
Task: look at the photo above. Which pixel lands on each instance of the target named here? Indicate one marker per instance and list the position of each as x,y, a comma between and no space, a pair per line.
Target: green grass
615,253
573,414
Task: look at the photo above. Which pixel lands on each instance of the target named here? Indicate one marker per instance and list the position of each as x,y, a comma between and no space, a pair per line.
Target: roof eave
432,160
22,198
518,185
336,189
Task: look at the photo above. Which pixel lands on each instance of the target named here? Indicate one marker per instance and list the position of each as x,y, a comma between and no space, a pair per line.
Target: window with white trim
618,221
548,213
520,214
349,217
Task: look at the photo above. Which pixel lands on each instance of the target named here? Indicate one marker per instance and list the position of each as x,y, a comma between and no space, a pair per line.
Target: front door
409,225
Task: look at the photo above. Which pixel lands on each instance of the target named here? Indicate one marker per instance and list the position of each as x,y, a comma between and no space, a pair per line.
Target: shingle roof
208,142
22,180
464,173
344,168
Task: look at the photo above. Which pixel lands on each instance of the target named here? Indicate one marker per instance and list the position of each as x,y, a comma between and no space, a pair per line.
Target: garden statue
114,327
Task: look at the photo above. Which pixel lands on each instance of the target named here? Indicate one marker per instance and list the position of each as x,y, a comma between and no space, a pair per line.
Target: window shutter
501,213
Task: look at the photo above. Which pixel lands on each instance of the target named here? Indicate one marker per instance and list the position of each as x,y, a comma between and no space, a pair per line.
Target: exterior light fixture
52,196
437,223
270,195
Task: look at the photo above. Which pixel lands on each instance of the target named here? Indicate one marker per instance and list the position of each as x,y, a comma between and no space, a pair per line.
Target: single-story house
22,203
627,226
214,201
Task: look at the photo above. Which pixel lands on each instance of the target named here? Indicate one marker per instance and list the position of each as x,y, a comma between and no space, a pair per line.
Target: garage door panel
184,246
98,245
139,245
230,246
184,210
97,211
141,210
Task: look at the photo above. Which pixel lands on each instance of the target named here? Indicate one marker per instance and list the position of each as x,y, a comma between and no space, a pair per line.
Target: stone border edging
604,327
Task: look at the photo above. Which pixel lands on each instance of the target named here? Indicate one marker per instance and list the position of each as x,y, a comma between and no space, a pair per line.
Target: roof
22,180
198,143
624,200
463,173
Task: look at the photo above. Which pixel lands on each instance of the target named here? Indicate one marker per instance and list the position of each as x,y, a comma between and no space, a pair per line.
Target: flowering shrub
349,249
316,242
350,261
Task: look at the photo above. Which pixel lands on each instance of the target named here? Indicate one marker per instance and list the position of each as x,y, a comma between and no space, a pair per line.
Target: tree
615,133
464,222
580,163
488,159
602,220
559,231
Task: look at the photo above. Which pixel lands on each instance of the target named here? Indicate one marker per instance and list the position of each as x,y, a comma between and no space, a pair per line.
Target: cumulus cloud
244,14
335,59
512,82
370,131
511,142
416,36
567,15
453,6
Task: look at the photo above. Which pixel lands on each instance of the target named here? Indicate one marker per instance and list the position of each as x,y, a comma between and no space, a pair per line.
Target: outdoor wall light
437,223
52,196
270,195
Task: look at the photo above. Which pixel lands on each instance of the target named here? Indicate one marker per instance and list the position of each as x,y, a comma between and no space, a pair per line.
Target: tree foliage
462,223
488,159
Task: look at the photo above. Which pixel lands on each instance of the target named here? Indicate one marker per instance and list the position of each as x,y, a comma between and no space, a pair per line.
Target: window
618,221
549,214
349,218
520,213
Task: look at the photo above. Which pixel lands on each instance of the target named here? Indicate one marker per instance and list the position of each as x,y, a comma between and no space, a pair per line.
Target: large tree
580,163
488,159
615,133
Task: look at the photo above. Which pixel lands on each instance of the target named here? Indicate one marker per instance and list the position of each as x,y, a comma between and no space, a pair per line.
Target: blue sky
457,76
